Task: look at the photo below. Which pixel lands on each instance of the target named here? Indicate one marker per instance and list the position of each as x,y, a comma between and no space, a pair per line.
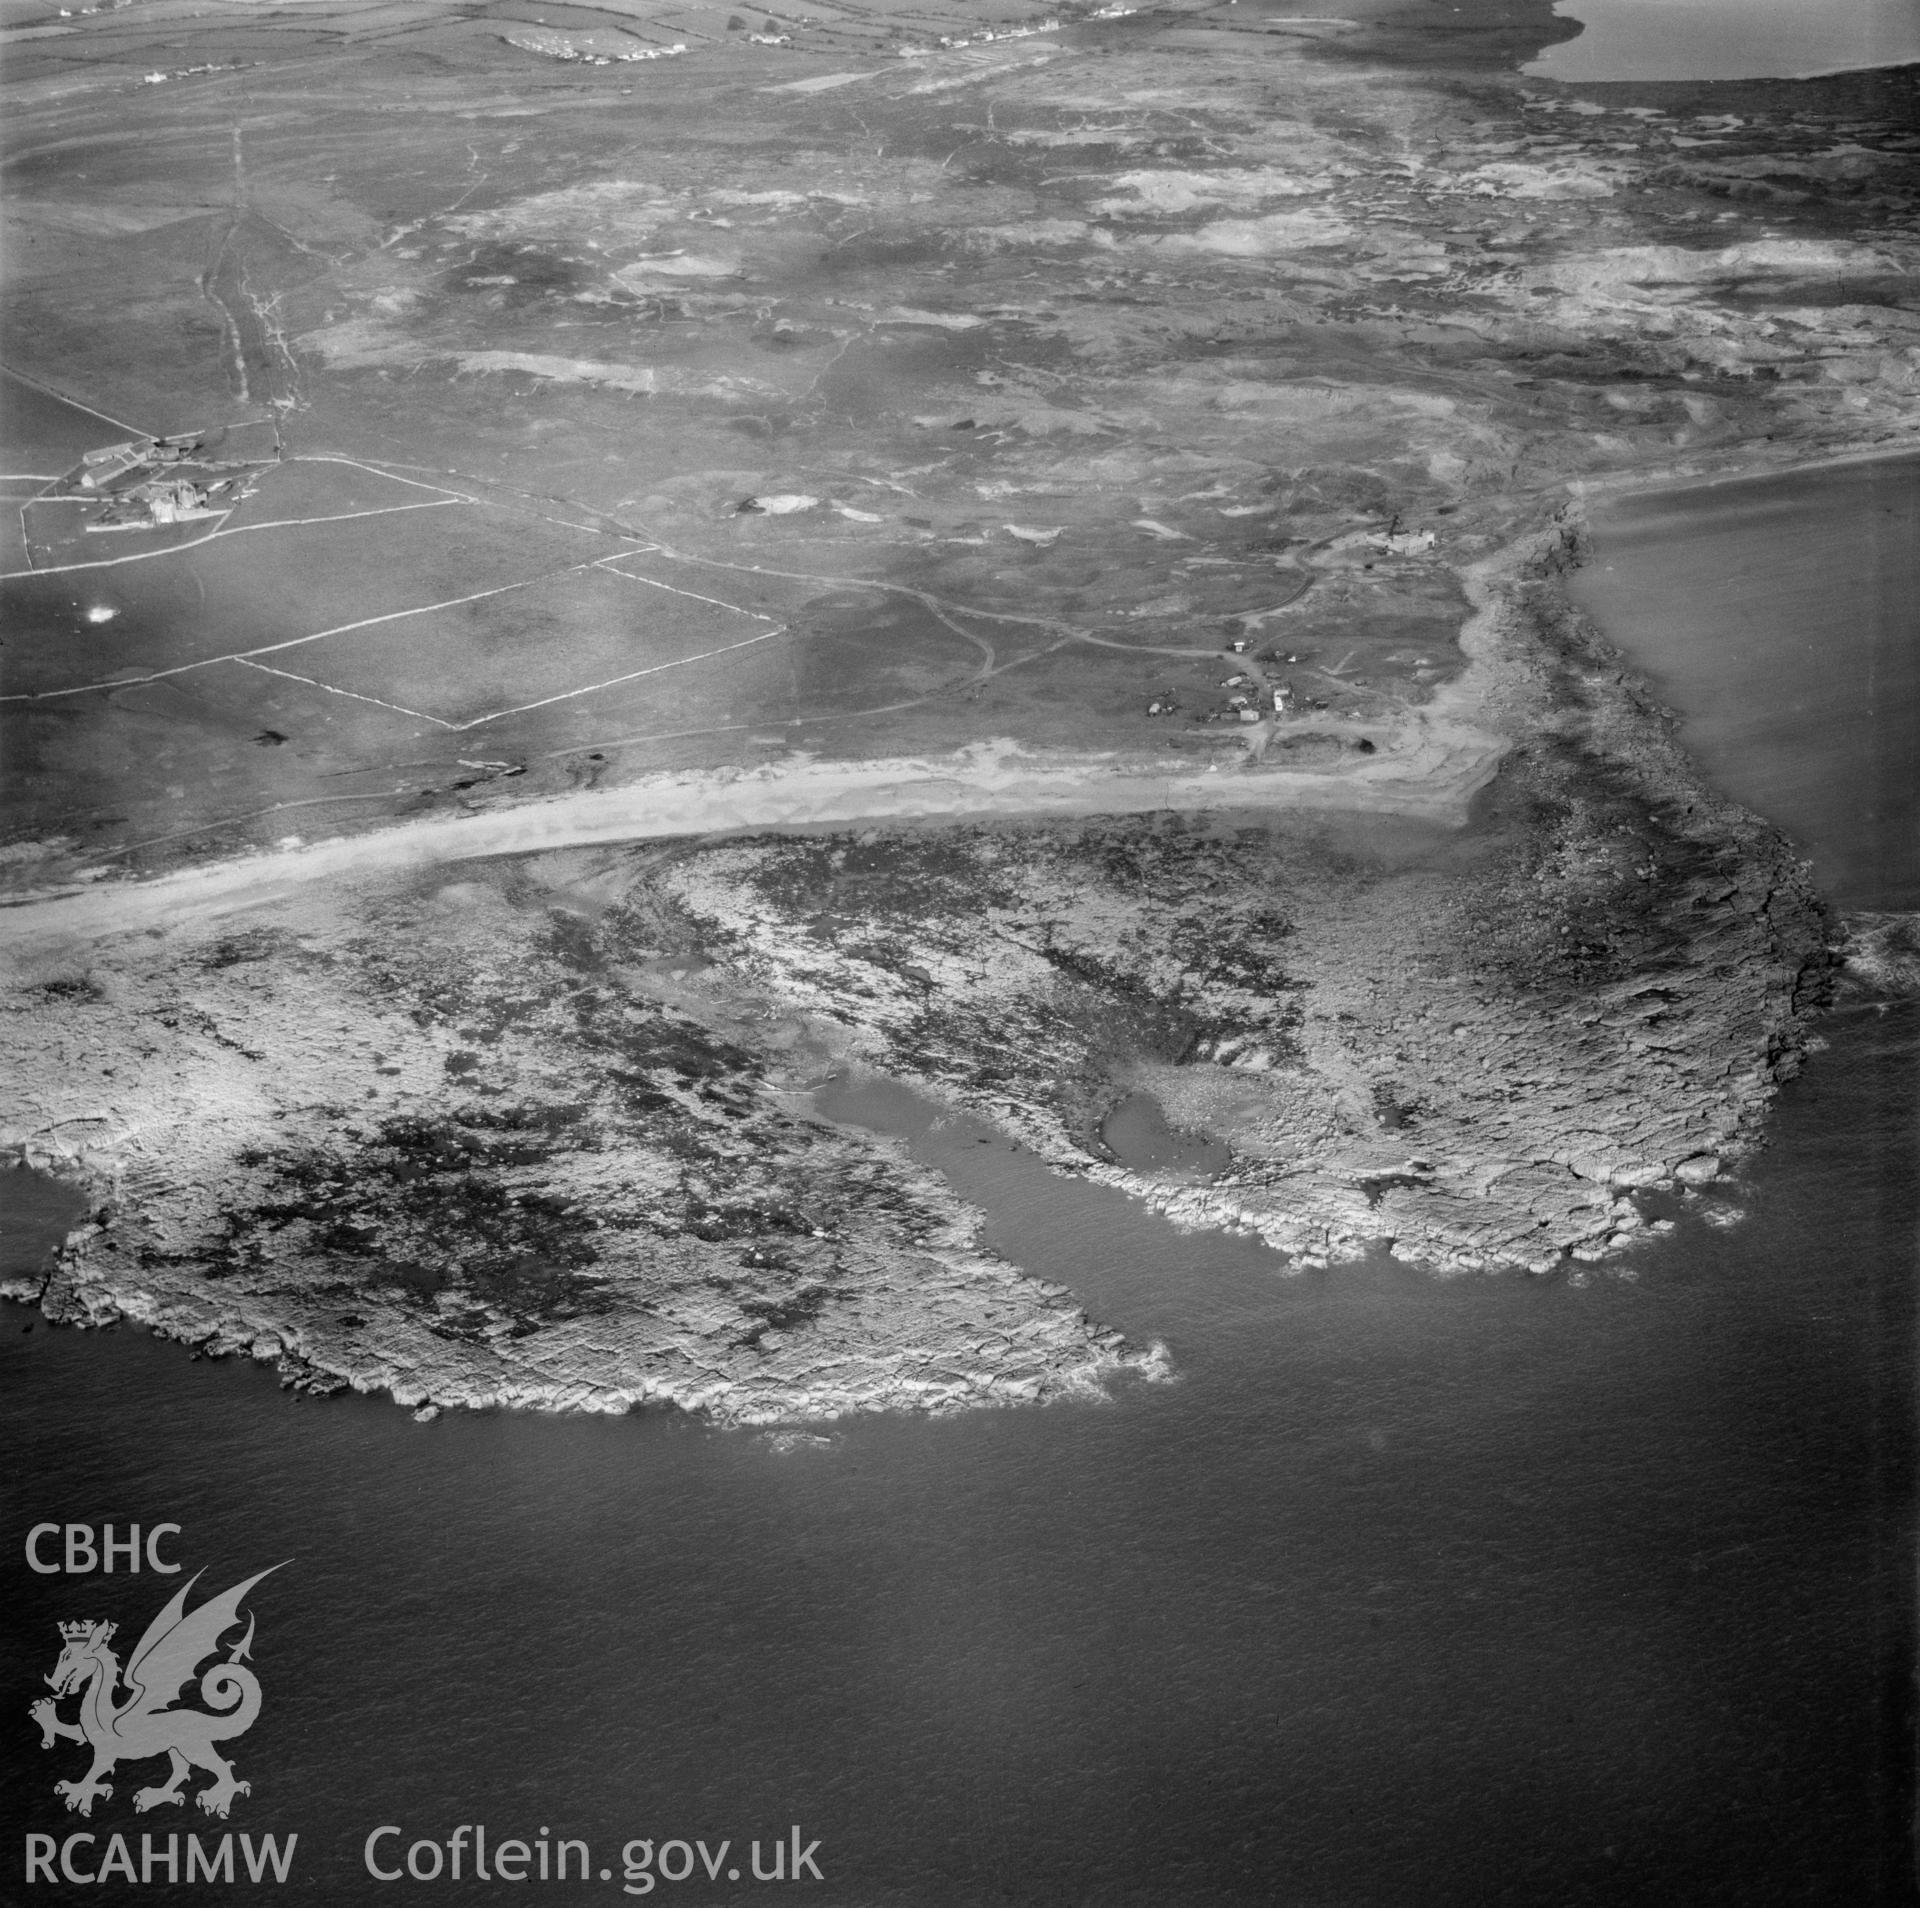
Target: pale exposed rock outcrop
425,1141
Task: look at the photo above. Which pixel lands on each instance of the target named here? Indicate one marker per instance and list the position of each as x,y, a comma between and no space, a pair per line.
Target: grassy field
1055,362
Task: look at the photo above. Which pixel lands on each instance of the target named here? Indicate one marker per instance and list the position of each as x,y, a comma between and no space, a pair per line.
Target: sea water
1408,1590
1480,1590
1728,39
1778,616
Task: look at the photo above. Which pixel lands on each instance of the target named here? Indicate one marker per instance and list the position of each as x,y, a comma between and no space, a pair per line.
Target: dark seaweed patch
424,1208
71,987
232,950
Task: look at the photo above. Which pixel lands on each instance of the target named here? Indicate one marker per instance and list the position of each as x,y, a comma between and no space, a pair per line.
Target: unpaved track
1434,776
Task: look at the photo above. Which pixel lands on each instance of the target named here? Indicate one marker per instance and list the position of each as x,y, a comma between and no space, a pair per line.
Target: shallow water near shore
1728,39
1776,615
1471,1591
1492,1589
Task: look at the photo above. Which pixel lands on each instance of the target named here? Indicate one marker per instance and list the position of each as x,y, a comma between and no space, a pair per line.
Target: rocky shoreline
1500,1054
534,1131
1082,627
502,1171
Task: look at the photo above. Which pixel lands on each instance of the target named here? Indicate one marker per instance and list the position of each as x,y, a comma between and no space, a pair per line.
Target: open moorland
855,395
640,422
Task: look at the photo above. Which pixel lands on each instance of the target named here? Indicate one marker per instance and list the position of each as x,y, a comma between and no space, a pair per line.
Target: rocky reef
455,1141
1483,1051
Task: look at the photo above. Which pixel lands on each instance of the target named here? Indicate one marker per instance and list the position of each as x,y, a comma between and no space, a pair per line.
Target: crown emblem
74,1632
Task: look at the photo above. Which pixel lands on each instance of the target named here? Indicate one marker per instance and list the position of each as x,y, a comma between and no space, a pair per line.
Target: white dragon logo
144,1724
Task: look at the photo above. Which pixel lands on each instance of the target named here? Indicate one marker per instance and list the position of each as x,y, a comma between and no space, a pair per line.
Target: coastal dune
1433,772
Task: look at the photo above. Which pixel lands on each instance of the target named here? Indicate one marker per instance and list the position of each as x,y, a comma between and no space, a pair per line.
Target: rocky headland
1048,587
462,1140
535,1130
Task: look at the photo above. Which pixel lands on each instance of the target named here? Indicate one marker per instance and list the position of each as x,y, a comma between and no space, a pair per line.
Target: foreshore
1517,1053
1494,1058
1106,641
1432,771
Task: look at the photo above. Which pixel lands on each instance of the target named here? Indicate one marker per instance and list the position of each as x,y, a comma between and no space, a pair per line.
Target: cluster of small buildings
1250,693
1402,542
949,44
187,72
1242,708
100,468
626,59
165,496
164,500
556,46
